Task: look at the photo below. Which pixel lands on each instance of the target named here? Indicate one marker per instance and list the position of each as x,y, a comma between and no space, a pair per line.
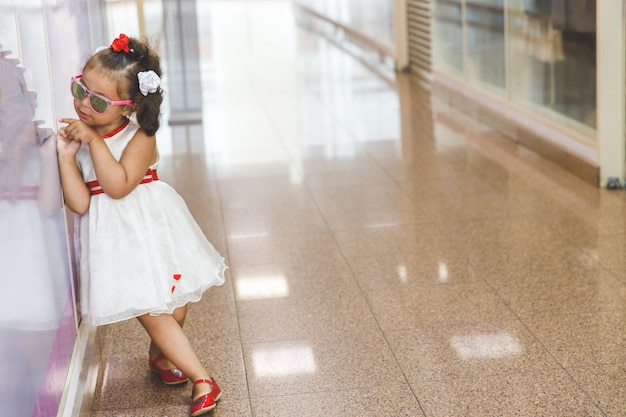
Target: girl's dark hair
123,68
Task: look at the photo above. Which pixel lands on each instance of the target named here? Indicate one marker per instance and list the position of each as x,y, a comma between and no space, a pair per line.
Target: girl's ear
128,110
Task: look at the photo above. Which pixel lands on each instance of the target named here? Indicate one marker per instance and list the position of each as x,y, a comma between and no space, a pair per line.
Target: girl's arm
117,178
75,192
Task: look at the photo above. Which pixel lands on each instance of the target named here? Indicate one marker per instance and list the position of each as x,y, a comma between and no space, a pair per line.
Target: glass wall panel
448,35
485,42
41,46
553,59
541,54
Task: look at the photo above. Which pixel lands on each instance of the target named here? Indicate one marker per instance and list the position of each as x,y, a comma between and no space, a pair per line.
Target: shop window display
553,59
448,37
540,54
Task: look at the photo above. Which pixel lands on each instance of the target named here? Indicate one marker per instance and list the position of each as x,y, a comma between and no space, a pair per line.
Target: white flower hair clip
149,82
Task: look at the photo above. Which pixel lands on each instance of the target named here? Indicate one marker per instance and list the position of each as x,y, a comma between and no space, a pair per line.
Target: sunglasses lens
77,90
98,104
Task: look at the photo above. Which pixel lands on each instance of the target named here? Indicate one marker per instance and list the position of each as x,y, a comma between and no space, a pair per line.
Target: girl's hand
78,131
66,147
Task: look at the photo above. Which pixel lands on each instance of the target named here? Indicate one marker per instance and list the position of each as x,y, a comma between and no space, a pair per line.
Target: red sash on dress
95,188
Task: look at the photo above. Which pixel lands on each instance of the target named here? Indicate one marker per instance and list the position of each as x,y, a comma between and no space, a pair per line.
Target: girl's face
98,82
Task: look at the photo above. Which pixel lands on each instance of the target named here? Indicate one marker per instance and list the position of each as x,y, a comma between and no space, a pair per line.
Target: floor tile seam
476,247
382,332
395,288
438,323
432,328
441,229
617,309
331,294
582,391
460,377
140,410
368,303
435,326
480,265
538,313
494,291
518,217
334,334
554,358
233,290
356,388
596,365
538,283
570,239
559,230
401,223
557,206
593,242
575,209
297,264
596,265
436,214
453,287
589,395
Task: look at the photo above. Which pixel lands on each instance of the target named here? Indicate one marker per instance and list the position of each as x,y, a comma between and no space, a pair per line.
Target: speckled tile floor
384,261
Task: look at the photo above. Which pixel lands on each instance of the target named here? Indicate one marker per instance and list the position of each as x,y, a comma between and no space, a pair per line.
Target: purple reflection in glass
37,330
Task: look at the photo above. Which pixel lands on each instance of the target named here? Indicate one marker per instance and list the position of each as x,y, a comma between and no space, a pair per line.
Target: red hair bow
120,44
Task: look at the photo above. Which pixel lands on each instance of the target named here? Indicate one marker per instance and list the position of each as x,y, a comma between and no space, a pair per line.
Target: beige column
401,34
610,88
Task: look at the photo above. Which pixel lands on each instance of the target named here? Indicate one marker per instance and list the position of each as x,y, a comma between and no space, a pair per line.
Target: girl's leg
154,352
166,332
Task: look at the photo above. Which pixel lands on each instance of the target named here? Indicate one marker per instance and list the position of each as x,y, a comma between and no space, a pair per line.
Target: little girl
143,255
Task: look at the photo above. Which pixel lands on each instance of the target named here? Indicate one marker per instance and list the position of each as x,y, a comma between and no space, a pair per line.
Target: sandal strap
158,359
204,381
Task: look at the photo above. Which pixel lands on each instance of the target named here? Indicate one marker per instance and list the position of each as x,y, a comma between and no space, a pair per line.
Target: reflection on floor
389,256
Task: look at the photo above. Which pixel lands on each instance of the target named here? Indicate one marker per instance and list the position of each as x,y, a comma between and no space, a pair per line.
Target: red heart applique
177,277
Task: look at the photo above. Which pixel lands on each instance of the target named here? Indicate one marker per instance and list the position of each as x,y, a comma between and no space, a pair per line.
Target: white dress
143,253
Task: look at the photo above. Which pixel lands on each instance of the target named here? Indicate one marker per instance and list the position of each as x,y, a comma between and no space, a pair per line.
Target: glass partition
38,325
540,54
553,59
485,42
448,35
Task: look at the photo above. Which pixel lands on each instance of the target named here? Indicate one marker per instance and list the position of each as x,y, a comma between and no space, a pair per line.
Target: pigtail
147,103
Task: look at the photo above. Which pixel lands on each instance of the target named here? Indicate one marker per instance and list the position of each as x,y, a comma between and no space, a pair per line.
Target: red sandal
205,403
172,376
